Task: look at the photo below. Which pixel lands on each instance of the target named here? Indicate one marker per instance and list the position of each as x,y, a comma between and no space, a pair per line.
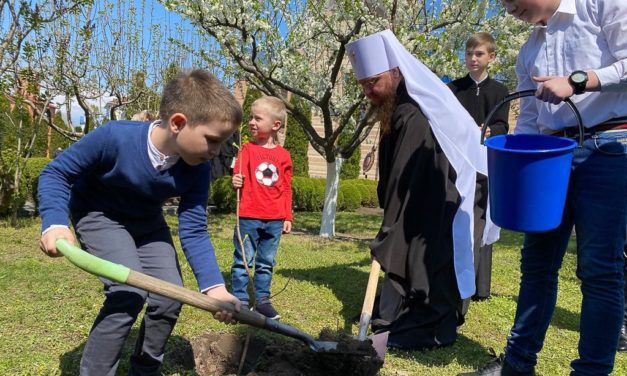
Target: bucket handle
528,93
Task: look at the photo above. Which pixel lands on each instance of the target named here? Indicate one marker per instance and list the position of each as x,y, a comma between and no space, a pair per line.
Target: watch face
578,77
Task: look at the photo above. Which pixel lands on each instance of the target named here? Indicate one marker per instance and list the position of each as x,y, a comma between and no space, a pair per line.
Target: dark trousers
597,207
145,246
483,277
625,284
482,255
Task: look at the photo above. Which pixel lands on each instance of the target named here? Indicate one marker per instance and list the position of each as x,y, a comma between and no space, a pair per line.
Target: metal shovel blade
279,327
380,343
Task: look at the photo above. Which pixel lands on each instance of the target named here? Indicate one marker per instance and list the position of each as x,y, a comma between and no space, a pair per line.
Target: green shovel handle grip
92,264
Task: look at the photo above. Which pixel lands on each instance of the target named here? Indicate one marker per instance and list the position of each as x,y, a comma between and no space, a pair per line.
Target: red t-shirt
267,190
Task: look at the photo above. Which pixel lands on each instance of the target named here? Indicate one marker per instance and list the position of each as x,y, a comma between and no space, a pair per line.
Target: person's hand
287,227
220,293
488,132
238,181
553,89
48,240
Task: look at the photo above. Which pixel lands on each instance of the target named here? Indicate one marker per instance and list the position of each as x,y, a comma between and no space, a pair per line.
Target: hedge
222,194
351,197
8,198
307,194
368,190
28,182
34,166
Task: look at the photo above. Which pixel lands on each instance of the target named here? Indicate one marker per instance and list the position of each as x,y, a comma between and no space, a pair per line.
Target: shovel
122,274
379,341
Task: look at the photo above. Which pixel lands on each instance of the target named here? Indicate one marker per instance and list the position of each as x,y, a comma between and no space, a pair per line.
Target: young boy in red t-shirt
263,172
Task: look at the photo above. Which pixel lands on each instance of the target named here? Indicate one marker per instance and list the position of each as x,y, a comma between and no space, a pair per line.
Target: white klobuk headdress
456,132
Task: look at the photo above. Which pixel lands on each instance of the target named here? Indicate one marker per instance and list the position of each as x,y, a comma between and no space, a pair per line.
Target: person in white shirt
577,50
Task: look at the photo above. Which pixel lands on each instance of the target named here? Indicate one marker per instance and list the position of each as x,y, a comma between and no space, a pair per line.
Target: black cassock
419,301
479,100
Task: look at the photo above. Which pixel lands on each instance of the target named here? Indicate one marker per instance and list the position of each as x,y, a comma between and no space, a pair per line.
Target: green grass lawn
47,305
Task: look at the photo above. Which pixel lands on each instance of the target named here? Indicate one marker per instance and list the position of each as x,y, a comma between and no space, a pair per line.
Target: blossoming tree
299,46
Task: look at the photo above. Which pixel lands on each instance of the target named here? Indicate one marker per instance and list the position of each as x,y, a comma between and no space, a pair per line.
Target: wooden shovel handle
122,274
193,298
371,290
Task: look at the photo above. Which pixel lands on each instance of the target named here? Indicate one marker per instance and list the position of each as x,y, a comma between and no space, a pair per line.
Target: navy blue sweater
109,170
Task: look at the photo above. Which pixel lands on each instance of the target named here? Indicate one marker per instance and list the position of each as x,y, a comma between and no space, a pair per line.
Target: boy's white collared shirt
581,35
159,160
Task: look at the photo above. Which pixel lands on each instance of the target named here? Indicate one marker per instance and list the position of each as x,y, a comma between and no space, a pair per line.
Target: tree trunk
327,226
16,178
86,110
16,191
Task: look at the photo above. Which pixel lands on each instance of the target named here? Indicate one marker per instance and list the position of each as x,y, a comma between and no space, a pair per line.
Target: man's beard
383,111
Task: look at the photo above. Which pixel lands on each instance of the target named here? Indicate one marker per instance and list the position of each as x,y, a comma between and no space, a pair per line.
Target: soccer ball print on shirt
267,174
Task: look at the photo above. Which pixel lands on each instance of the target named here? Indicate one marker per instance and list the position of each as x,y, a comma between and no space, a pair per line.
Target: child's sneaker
266,309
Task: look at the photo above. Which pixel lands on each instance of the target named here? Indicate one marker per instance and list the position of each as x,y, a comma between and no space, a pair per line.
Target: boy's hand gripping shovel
122,274
380,340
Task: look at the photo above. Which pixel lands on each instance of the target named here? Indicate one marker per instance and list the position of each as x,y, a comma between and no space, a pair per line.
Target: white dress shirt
159,160
581,35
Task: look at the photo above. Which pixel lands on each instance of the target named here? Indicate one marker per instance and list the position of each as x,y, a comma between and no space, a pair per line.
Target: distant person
577,50
479,94
477,91
57,152
112,183
263,172
144,115
221,165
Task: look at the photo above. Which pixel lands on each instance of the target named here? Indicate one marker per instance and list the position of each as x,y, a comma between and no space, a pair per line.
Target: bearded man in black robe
423,220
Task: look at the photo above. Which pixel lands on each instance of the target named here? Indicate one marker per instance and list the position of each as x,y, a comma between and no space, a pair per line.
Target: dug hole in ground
220,354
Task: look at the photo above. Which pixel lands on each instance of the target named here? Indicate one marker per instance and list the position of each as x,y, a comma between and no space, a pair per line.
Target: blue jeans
597,207
261,241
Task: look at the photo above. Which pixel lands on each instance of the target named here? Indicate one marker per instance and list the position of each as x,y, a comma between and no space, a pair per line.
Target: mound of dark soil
219,354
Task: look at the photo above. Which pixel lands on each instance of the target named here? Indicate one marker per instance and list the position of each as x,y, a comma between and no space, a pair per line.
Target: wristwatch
578,80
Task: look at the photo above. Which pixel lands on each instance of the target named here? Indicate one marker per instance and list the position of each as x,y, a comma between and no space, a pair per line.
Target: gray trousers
145,246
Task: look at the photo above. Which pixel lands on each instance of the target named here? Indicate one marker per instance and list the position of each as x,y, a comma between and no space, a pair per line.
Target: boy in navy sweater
113,182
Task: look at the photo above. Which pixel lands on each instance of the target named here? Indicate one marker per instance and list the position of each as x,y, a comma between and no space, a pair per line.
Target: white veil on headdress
456,132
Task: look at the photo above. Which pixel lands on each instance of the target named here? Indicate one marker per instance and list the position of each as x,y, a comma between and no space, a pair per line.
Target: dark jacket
480,99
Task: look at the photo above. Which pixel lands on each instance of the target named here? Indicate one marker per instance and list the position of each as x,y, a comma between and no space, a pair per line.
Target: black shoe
622,340
266,309
497,367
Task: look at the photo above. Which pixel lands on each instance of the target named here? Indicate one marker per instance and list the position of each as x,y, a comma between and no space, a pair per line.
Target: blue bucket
528,176
528,180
